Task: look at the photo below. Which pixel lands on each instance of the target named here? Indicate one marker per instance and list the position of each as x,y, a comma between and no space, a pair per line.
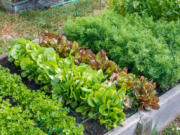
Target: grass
31,23
172,129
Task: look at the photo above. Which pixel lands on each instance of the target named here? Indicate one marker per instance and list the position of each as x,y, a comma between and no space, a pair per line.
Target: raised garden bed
153,120
84,80
142,122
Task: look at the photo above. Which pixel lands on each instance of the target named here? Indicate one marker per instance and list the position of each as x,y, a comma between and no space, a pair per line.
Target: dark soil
13,69
92,127
10,100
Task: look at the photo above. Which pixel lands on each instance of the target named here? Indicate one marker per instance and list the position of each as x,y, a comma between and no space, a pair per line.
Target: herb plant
146,47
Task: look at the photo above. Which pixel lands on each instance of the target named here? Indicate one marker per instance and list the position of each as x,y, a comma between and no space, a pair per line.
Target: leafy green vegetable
107,103
31,111
16,121
66,48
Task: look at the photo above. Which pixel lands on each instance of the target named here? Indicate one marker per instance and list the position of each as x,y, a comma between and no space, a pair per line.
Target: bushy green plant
104,103
32,111
16,121
144,46
169,9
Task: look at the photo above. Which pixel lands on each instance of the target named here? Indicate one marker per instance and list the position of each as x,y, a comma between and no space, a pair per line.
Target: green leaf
81,109
86,90
54,81
90,102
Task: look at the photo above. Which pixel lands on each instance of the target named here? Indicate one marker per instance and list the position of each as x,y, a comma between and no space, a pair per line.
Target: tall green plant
144,46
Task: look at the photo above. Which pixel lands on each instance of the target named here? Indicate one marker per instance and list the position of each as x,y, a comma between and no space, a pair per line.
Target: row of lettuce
99,93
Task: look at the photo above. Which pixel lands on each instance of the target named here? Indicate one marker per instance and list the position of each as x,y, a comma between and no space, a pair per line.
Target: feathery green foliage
144,46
